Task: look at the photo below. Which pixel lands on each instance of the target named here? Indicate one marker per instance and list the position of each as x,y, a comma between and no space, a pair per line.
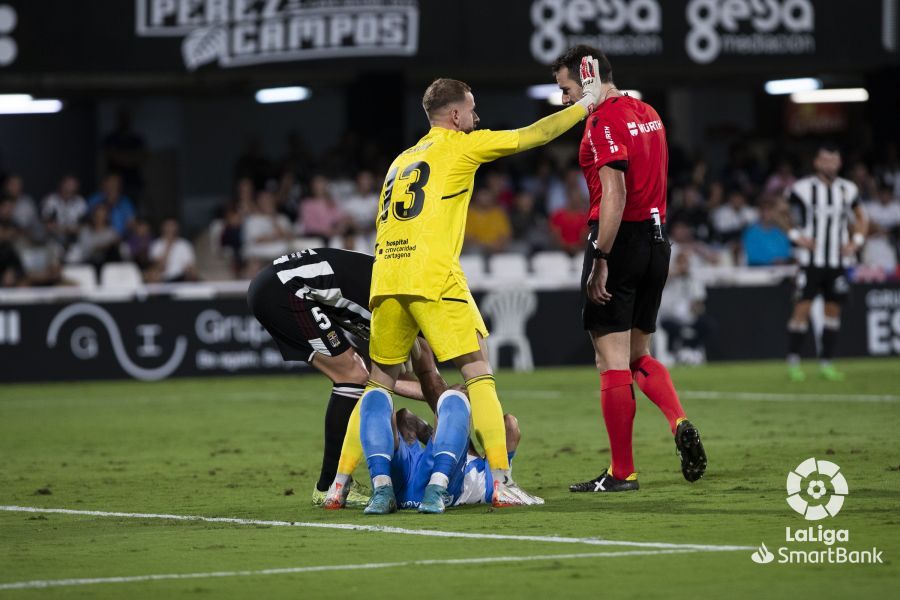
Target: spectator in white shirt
265,232
98,243
25,215
63,211
730,219
880,251
362,204
172,256
681,312
884,212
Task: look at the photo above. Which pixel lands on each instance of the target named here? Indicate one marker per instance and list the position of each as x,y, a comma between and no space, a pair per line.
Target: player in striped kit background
824,208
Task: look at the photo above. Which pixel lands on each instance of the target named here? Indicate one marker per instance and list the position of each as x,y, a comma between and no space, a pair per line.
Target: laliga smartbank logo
816,489
817,503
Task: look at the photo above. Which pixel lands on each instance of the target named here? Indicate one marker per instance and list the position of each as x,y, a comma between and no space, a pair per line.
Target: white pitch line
48,583
753,396
381,529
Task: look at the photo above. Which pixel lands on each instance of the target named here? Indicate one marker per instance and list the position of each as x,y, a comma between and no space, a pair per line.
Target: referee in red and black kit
625,161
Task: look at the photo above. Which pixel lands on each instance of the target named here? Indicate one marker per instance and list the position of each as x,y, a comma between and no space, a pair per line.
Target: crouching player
314,305
444,472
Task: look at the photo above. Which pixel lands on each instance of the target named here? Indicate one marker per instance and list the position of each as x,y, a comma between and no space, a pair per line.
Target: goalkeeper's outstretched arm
551,127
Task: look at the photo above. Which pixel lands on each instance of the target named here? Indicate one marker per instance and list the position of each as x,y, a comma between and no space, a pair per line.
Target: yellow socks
352,450
487,415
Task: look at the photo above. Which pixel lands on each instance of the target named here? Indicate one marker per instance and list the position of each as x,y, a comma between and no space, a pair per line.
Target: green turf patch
250,448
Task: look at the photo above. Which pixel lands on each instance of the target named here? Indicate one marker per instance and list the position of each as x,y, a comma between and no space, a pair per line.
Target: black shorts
831,283
301,328
638,268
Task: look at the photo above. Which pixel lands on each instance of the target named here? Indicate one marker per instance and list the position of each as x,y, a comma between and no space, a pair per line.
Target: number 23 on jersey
407,201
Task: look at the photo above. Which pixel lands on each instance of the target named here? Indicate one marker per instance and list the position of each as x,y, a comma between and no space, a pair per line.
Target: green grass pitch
250,448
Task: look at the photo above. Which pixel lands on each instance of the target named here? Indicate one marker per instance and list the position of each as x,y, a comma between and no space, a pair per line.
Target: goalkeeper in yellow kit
419,286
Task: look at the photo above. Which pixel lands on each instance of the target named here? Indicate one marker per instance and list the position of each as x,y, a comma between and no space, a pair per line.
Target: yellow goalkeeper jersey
421,220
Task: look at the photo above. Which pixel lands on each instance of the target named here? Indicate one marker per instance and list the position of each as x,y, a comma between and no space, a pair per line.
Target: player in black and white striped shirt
314,304
824,207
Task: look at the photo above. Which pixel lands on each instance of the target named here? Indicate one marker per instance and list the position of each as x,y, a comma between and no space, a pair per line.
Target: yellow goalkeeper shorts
450,324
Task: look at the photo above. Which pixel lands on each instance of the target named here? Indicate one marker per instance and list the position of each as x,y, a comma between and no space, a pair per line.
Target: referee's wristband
794,235
859,239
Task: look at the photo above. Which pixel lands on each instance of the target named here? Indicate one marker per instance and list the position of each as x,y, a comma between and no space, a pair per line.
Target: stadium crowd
736,215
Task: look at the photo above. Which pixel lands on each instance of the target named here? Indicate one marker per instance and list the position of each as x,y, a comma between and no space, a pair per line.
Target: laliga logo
816,474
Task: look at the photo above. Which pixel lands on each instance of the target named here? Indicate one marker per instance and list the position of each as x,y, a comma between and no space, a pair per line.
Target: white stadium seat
578,263
121,276
553,264
508,265
473,266
365,243
84,276
266,250
302,243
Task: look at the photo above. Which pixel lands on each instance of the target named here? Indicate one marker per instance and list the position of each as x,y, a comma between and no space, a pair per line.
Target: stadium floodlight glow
294,93
552,94
777,87
831,96
25,104
543,91
546,91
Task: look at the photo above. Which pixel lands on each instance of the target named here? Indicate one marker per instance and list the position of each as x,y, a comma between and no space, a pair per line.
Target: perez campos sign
235,33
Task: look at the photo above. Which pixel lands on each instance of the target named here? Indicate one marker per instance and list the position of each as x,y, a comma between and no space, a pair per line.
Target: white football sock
381,480
439,479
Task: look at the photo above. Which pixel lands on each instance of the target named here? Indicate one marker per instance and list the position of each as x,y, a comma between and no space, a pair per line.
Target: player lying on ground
625,161
417,283
314,304
445,472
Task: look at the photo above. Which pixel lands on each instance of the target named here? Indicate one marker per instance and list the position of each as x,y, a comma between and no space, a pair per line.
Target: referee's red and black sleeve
611,140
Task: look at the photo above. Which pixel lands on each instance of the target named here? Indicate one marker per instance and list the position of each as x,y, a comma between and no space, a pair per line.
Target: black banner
751,322
162,337
149,340
133,36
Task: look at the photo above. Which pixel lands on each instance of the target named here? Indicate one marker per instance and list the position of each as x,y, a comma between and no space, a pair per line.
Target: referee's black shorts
300,327
638,268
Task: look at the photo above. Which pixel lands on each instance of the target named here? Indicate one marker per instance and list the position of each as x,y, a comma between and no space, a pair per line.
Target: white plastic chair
509,311
473,266
553,265
85,276
508,265
365,244
577,263
121,276
302,243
